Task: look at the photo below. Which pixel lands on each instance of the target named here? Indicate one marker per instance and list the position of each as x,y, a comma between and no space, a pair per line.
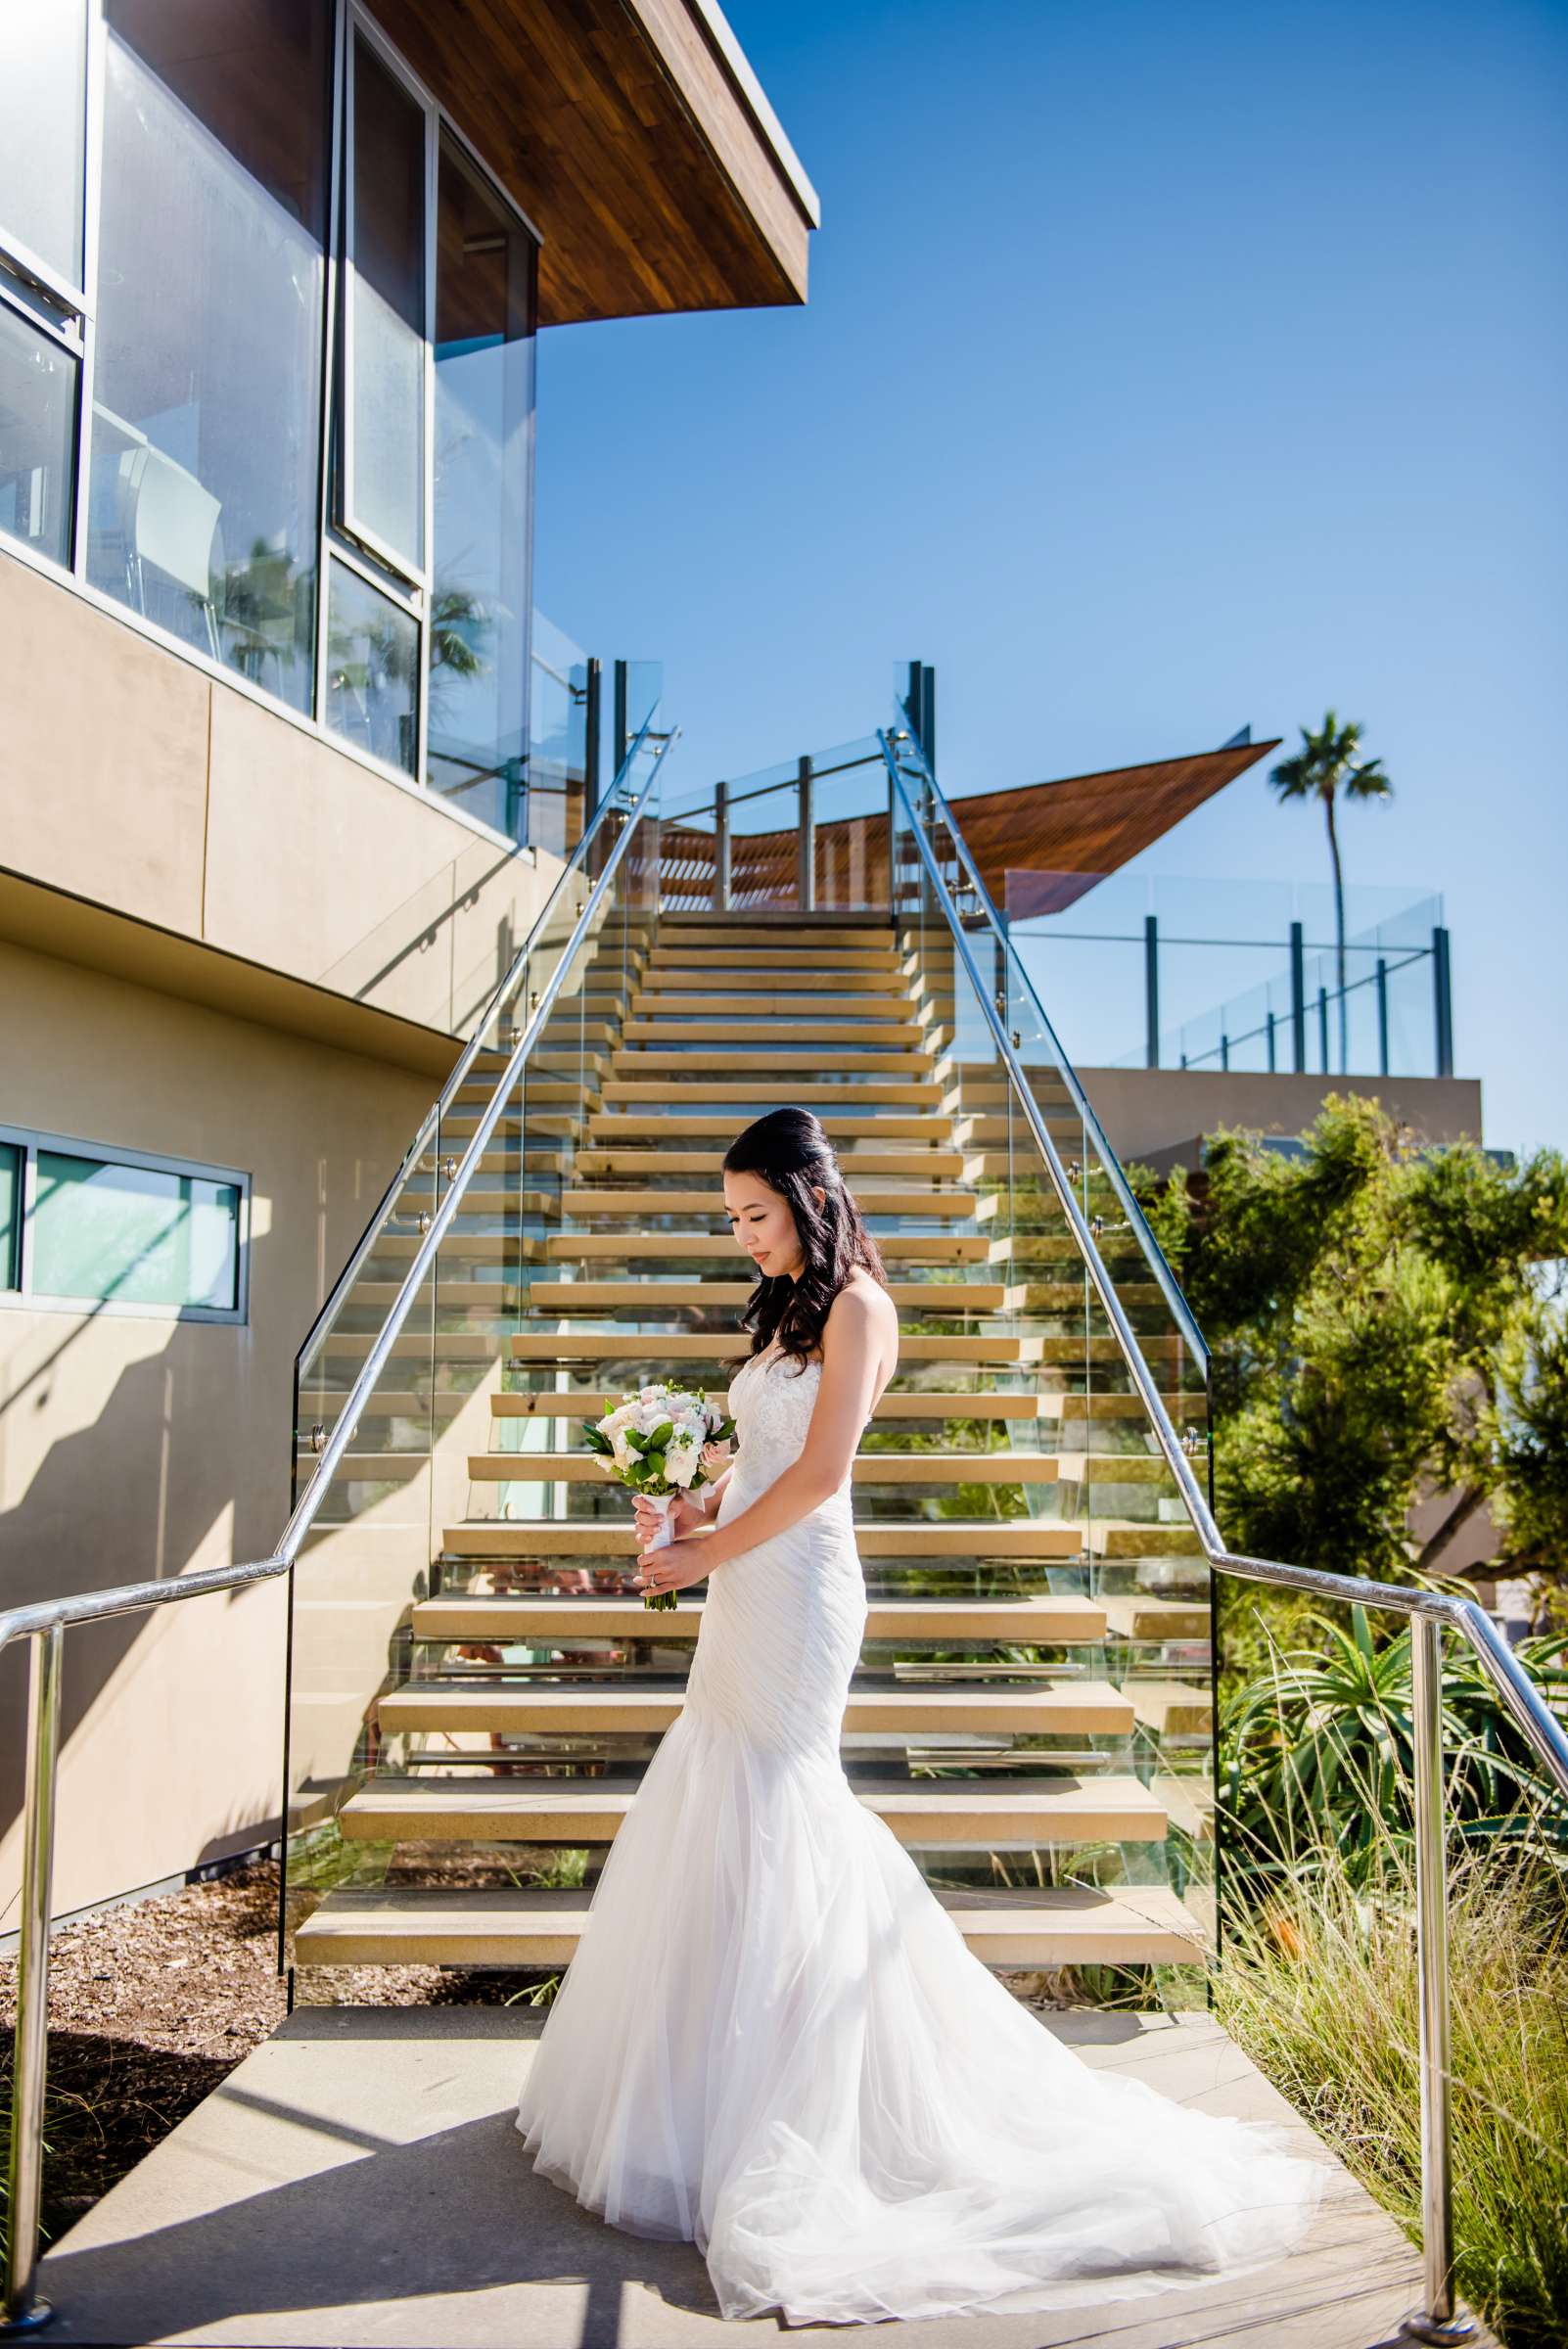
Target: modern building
293,762
290,761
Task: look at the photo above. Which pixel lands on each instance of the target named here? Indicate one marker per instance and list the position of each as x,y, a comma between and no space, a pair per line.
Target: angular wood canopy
1040,846
636,138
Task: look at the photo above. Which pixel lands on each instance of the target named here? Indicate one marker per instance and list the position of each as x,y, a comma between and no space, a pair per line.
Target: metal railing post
1151,990
722,848
1382,1017
806,886
1298,997
1443,1003
24,2310
1439,2320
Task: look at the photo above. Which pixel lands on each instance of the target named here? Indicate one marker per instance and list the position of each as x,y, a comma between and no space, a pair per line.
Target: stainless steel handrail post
24,2311
1438,2319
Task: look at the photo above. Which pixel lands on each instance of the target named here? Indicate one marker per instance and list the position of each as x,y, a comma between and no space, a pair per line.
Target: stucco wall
133,778
136,1448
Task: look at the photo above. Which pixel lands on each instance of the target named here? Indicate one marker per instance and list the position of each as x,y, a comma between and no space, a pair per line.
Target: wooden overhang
636,138
1041,846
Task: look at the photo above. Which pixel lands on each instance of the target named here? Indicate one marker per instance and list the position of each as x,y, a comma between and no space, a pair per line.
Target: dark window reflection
372,669
37,437
386,311
478,649
205,433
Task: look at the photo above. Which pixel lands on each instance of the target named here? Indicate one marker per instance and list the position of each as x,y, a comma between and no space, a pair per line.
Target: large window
206,425
86,1227
176,299
43,85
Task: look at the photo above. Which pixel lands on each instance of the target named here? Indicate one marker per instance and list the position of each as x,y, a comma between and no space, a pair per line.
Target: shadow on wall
135,1496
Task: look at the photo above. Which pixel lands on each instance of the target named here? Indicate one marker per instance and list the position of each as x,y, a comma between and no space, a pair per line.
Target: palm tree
1327,766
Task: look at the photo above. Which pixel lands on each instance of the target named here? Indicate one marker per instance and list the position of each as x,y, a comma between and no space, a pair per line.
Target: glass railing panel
424,1461
849,797
1127,1546
765,850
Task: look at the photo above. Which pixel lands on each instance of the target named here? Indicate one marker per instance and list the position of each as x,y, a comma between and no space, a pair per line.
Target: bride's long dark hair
790,1151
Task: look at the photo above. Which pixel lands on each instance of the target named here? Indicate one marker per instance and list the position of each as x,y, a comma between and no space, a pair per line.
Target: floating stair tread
558,1811
936,1404
859,1165
1139,1614
1039,1620
617,1537
918,1247
1187,1802
1080,1708
1132,1538
654,1295
794,1030
612,1128
1171,1706
1004,1352
869,1468
875,1199
912,1091
1143,1924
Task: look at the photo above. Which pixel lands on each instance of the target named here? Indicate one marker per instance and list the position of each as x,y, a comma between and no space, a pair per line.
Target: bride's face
763,1224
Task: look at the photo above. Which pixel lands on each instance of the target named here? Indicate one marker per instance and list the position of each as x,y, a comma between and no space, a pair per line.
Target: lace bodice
771,1403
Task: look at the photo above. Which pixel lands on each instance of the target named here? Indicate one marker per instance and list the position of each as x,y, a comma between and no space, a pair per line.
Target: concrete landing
358,2181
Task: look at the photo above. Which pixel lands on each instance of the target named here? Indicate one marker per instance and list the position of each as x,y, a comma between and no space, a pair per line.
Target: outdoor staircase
1031,1716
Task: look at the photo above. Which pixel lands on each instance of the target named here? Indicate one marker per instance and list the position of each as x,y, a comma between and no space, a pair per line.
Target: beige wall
1146,1111
132,779
136,1448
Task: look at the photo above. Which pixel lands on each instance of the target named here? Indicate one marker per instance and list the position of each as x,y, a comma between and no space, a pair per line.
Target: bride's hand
684,1516
672,1567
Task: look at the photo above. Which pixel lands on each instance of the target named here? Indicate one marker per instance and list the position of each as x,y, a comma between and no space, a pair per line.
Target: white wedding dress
773,2041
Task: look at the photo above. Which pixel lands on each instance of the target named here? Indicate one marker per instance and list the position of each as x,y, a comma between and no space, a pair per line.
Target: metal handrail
46,1620
1440,2319
1180,1310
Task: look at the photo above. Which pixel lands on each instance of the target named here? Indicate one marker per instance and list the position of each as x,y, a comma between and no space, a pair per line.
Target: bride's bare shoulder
864,1305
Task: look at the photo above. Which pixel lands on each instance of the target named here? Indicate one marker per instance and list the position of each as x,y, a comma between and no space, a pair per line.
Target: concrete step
617,1537
1037,1619
993,1812
869,1468
1141,1925
1001,1351
1078,1708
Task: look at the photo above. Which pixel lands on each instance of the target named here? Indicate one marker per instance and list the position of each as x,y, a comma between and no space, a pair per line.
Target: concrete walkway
359,2181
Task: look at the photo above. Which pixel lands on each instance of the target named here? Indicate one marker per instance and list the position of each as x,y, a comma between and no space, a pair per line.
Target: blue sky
1166,369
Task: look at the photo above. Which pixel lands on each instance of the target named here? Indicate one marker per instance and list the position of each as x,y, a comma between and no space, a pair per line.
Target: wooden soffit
636,138
1041,845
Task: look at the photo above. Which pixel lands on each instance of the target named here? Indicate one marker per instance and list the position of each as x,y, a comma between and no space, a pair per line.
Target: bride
773,2041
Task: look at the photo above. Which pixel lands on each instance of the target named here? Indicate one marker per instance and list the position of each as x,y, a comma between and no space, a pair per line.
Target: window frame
30,1140
75,331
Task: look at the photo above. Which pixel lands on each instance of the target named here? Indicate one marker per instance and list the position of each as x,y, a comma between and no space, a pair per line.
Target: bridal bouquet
654,1442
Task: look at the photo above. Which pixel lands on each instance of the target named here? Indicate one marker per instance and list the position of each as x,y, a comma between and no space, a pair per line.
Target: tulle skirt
774,2043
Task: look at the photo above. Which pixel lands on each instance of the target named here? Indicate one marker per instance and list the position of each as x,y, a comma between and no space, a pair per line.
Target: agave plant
1319,1755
